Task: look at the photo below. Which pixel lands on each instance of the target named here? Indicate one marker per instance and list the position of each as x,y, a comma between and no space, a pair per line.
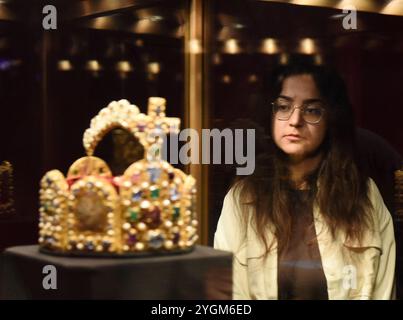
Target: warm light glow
139,43
217,59
64,65
284,58
124,66
153,67
252,78
307,46
311,2
155,18
195,46
345,3
143,26
363,5
226,79
238,25
393,7
232,46
101,22
318,60
270,46
93,65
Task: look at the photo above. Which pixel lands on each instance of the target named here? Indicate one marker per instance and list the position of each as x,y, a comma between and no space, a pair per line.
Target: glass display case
248,39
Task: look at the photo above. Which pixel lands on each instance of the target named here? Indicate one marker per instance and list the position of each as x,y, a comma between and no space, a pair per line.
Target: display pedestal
204,273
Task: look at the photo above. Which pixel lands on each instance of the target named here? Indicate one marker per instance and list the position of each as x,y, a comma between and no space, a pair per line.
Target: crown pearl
168,244
141,226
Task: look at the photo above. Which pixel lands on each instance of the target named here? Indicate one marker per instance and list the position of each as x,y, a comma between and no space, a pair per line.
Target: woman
307,224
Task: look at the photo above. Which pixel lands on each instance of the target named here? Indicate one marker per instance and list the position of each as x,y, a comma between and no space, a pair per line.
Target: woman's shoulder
231,226
380,211
238,194
373,192
233,203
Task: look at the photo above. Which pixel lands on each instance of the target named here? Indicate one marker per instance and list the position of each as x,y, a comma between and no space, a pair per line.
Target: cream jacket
352,270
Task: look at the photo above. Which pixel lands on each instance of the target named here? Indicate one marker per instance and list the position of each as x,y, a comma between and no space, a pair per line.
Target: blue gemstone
136,196
154,174
157,131
174,194
50,240
89,246
156,242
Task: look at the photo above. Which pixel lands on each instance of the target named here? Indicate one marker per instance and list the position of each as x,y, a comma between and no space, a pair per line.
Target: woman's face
297,138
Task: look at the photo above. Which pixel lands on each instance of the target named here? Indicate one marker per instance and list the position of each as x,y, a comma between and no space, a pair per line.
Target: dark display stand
204,273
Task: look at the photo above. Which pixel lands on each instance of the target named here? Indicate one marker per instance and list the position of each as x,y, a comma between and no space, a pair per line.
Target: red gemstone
153,217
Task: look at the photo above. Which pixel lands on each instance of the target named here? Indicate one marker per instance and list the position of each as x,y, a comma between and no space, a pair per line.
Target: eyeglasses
312,112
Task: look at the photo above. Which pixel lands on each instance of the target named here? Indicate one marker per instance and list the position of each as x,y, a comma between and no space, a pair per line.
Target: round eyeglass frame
292,111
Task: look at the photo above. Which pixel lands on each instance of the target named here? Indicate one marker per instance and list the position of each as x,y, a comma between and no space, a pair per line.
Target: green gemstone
176,213
133,215
155,193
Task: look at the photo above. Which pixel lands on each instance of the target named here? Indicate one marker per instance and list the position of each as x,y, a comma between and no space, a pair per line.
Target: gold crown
150,208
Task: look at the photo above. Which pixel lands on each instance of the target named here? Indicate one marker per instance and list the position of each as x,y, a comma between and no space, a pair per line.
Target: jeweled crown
150,208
